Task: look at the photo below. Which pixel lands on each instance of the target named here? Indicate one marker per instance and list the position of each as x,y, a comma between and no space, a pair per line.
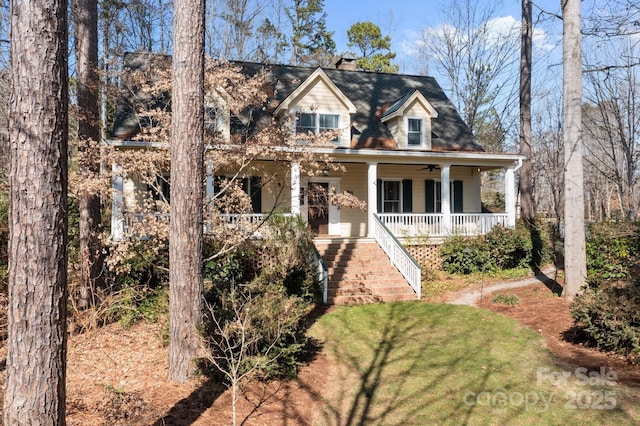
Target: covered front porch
413,194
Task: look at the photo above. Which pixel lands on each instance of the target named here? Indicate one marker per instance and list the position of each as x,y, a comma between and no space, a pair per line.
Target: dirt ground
542,310
118,377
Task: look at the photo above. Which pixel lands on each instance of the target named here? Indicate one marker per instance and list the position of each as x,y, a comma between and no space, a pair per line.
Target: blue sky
402,19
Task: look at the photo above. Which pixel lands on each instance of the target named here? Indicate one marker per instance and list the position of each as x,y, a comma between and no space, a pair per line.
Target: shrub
505,299
466,255
607,312
612,250
609,318
500,249
510,248
267,310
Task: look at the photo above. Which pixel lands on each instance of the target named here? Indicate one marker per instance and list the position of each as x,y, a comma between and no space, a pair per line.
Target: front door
318,207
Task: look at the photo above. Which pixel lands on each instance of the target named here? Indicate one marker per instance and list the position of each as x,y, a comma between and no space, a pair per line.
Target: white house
404,148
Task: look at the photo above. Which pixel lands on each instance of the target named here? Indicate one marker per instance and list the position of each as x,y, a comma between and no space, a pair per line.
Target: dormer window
316,123
414,131
306,124
409,120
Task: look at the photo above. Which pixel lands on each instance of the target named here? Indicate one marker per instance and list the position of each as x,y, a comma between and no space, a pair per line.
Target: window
316,123
433,196
392,196
414,131
306,124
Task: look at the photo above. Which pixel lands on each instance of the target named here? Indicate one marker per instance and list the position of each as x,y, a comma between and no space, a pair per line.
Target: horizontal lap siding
318,97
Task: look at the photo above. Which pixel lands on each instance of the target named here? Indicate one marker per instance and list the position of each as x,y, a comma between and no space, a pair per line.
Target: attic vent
348,64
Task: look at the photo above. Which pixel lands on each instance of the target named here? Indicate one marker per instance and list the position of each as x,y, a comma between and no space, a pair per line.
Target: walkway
471,298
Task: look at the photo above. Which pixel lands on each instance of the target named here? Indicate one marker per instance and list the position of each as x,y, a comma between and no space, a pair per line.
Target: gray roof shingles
372,94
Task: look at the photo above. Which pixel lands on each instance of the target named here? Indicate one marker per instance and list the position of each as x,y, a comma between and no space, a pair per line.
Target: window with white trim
414,131
316,123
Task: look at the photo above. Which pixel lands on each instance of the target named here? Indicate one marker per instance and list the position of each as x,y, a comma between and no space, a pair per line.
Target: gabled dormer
319,105
409,120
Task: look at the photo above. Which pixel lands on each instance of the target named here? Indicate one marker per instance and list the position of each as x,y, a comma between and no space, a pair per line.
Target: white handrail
399,256
322,272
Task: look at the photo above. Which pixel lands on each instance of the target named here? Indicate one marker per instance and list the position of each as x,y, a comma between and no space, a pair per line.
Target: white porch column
372,196
295,188
510,196
117,214
445,185
209,186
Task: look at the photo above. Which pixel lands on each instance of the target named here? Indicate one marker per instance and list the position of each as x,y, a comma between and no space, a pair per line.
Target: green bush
505,299
612,249
466,255
609,318
273,303
607,312
500,249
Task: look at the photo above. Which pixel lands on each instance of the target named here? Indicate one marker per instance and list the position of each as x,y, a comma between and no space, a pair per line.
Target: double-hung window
307,123
414,131
317,123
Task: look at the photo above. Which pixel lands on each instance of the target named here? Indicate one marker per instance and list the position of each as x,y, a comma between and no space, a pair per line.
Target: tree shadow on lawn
401,377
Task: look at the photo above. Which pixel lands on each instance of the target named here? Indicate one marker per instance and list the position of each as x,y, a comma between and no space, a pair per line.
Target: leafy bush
510,248
505,299
500,249
612,250
144,263
136,286
607,312
466,255
609,317
257,324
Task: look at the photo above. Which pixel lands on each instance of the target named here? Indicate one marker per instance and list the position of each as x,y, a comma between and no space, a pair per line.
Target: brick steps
360,272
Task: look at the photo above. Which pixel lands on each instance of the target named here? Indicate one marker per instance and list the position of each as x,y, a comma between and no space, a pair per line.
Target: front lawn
419,363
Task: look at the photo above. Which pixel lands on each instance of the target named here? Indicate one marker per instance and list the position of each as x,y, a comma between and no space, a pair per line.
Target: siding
319,98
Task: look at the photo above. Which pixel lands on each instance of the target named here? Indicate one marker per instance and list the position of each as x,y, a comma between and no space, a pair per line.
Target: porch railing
433,224
399,256
470,224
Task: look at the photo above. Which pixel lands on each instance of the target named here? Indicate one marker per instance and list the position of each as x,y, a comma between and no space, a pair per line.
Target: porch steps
360,272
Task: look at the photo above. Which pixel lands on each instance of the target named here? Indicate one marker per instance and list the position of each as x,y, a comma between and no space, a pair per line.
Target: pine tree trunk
185,229
37,340
527,206
85,17
574,240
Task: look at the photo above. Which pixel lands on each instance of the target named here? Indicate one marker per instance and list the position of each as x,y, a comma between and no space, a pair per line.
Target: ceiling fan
430,167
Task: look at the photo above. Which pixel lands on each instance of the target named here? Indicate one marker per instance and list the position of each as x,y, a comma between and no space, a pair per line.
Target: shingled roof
372,94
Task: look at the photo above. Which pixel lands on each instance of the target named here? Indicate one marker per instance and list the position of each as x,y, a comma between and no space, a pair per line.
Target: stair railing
321,271
400,257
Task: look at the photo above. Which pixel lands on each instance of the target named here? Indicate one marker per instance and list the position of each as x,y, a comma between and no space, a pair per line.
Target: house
403,148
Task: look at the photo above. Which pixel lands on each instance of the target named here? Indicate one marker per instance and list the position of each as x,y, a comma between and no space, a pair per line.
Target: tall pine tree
374,49
311,43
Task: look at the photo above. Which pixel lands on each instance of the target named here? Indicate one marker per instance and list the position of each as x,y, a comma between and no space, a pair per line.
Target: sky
404,19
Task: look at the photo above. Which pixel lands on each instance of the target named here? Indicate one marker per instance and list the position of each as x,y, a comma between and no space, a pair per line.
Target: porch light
325,171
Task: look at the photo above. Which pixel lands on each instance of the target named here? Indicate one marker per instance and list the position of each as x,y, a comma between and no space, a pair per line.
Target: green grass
419,363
